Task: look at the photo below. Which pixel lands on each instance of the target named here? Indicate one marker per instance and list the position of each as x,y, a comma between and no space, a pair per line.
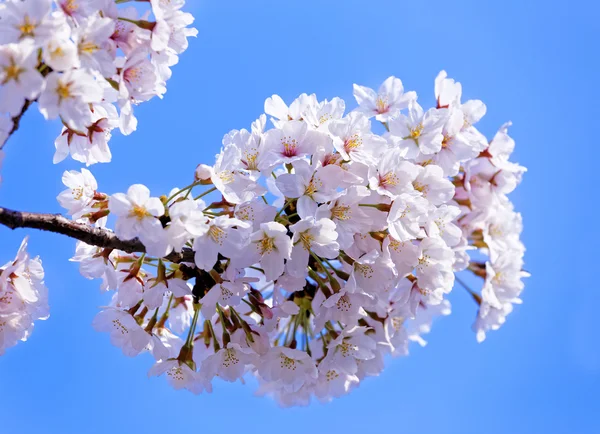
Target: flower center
230,358
364,269
117,324
139,212
420,187
226,176
57,52
344,303
424,261
176,373
88,48
27,28
341,212
352,143
216,234
313,186
69,7
446,141
63,90
397,322
12,72
331,375
382,105
415,133
346,349
250,157
226,294
288,363
266,245
390,179
396,245
324,118
306,239
290,147
77,193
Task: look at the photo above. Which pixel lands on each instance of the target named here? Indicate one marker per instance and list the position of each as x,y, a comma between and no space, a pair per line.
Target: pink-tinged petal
205,255
291,185
273,265
162,367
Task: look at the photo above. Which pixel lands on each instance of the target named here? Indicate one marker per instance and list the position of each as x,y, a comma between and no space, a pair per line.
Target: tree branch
16,122
91,235
44,70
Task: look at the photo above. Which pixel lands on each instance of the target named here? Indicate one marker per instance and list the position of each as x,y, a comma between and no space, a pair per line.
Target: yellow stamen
382,105
63,90
415,133
88,47
27,28
12,72
266,245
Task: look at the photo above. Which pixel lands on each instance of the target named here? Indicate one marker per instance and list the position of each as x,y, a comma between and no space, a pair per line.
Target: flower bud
203,172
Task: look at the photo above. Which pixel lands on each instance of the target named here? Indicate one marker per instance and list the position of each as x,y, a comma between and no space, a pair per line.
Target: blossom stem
335,285
346,258
152,322
285,205
214,336
188,188
312,273
244,324
190,338
210,190
165,315
216,214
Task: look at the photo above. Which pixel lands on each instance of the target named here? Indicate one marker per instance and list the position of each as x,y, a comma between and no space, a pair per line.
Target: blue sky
532,62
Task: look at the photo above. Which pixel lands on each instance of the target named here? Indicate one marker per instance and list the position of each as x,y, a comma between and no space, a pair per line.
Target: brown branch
16,122
91,235
44,70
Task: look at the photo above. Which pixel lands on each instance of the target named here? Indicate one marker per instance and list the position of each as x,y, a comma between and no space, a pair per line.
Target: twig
16,122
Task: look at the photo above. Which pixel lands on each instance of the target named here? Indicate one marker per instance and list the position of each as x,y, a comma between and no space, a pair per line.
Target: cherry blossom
309,249
19,78
387,102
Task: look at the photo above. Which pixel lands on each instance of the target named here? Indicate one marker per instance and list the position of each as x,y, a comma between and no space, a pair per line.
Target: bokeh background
532,62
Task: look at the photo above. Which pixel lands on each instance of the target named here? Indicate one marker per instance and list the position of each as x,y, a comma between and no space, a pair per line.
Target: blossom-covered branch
92,235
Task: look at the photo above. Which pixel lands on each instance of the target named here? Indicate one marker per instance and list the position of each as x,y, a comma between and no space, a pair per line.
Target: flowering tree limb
91,235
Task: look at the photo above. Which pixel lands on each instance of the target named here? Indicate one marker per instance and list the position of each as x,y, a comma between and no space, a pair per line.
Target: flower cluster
494,227
329,243
87,63
23,298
